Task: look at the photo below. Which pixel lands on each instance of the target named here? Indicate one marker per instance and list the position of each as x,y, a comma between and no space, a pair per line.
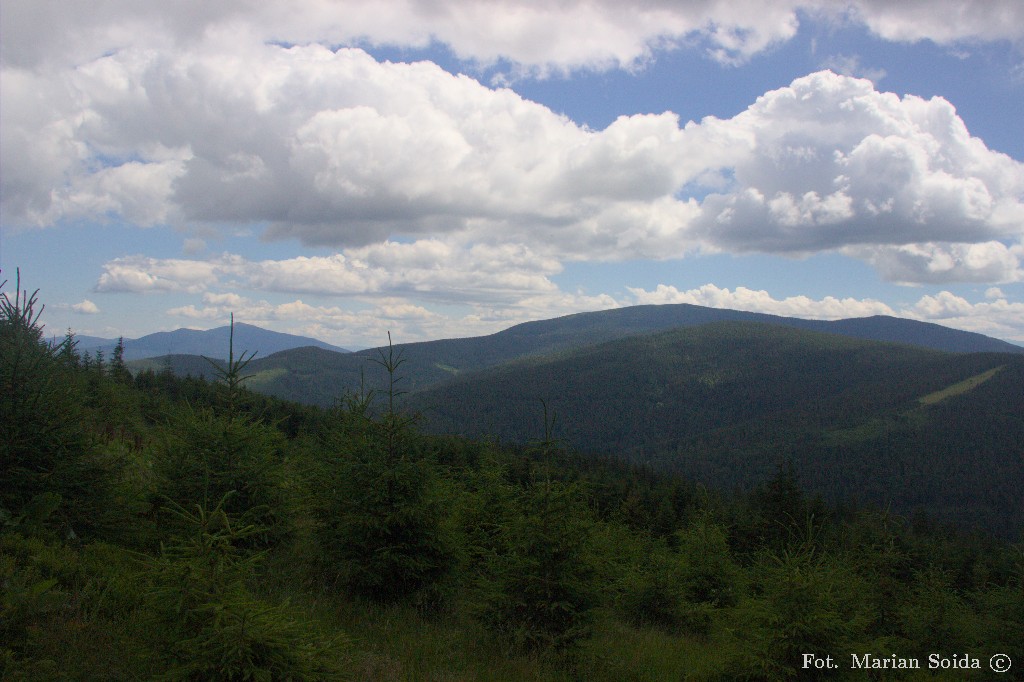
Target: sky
344,169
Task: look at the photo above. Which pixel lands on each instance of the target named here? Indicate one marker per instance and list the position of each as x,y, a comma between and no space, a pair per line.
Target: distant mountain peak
212,343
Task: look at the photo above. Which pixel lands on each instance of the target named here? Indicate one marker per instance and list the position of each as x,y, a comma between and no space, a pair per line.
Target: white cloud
829,162
941,21
337,149
995,317
395,287
429,268
990,261
160,122
742,298
408,320
140,274
536,36
86,307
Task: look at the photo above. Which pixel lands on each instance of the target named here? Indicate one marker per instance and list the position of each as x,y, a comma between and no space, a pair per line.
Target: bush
206,624
379,524
536,591
202,458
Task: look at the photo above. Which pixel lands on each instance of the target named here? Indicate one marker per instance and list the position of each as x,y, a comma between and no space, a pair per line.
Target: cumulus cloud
391,288
337,149
141,274
850,65
995,317
830,162
145,113
989,261
941,21
535,36
86,307
429,268
742,298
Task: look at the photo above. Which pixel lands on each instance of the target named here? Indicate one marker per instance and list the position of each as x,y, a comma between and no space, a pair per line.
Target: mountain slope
725,402
309,376
585,328
700,379
212,343
924,334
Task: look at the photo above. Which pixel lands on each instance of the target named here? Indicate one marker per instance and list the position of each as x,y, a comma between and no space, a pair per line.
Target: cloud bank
540,37
336,149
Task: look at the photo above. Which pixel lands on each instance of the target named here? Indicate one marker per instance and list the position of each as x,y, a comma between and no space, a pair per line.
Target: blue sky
345,169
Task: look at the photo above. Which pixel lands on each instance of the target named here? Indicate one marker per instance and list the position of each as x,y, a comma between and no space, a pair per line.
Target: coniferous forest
160,527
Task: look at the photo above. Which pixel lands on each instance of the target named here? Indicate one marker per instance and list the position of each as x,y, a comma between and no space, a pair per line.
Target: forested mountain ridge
606,325
316,377
724,402
718,401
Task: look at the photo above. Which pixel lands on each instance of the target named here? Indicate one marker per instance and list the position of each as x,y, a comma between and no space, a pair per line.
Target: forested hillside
157,527
314,376
724,403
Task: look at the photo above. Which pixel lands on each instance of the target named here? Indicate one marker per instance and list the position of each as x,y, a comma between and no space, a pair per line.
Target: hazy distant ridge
212,343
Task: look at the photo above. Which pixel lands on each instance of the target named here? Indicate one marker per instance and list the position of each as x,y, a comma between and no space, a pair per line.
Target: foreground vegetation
154,527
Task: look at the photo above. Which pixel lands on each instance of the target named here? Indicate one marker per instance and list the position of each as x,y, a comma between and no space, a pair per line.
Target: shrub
206,624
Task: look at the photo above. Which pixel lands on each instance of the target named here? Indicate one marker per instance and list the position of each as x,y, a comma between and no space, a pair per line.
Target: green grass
400,642
960,387
867,431
263,379
618,651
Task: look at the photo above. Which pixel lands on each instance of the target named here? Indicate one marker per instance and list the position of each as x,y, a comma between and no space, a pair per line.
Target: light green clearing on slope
265,377
879,426
964,386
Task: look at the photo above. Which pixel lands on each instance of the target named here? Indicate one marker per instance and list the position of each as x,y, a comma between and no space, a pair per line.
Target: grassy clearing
265,378
960,387
878,427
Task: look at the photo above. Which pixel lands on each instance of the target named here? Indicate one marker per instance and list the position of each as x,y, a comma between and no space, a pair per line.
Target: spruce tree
205,622
535,591
45,447
206,454
379,522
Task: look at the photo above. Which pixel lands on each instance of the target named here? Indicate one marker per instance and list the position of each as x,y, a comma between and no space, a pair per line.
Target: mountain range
211,343
312,374
725,403
886,411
